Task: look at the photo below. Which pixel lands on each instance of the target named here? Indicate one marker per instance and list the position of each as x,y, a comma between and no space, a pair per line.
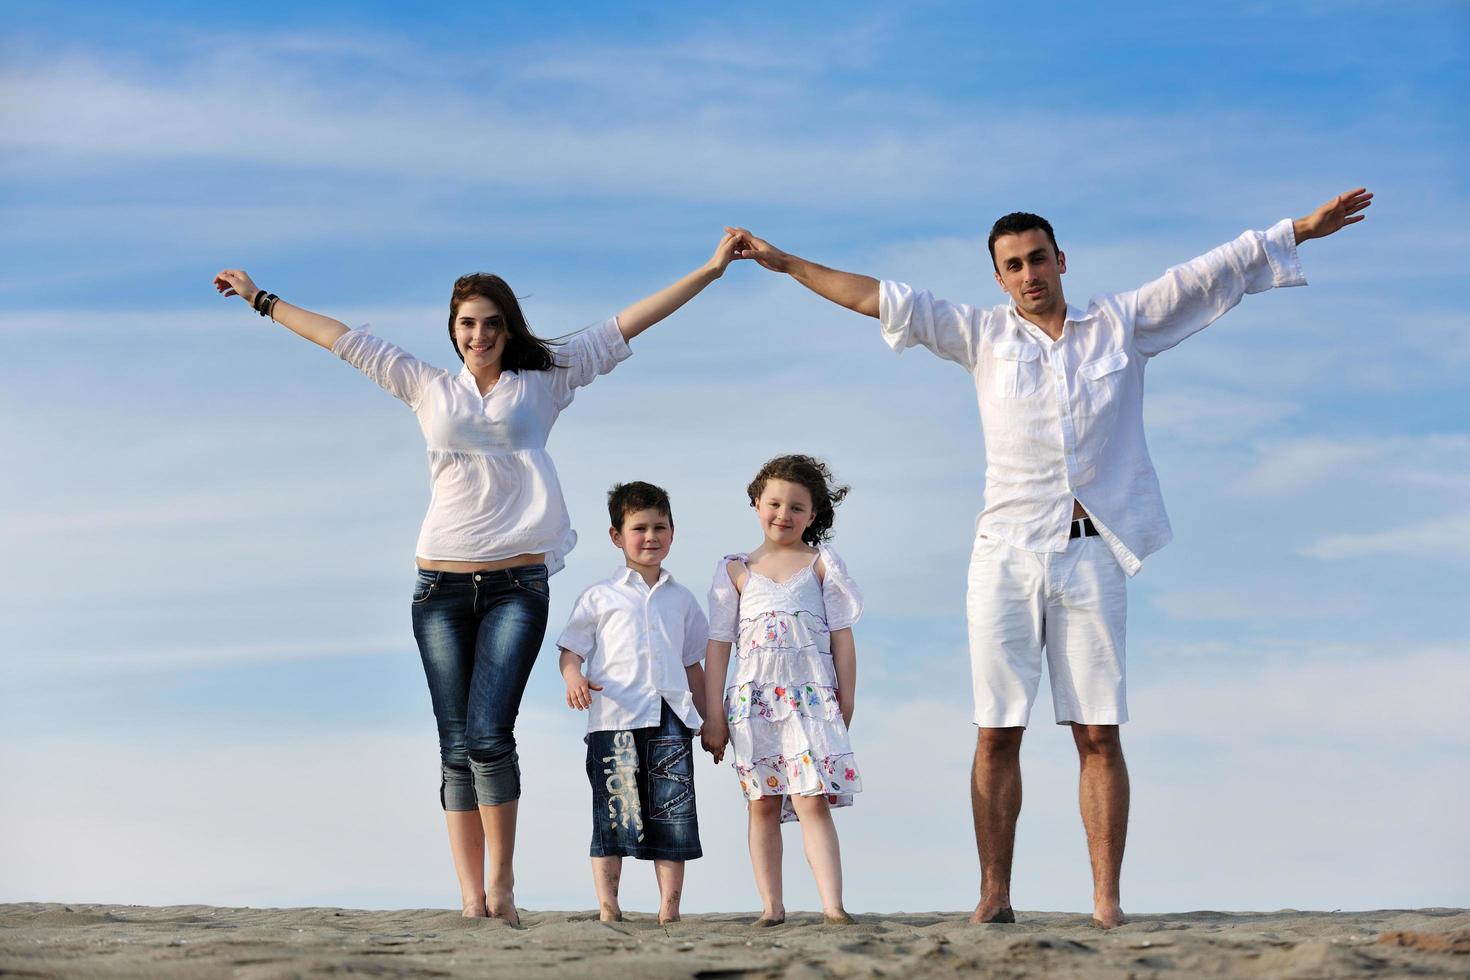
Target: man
1072,504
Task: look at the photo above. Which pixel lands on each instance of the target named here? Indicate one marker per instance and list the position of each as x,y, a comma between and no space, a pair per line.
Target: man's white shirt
636,642
1064,419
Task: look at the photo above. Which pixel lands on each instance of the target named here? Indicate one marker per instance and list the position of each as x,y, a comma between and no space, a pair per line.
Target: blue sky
208,689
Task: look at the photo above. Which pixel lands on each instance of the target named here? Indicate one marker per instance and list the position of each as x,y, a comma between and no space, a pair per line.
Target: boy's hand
579,690
714,736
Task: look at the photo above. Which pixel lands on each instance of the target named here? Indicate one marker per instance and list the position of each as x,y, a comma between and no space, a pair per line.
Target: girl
496,528
788,607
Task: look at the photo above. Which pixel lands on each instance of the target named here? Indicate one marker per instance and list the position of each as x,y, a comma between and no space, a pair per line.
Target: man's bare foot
1108,917
502,905
664,918
995,911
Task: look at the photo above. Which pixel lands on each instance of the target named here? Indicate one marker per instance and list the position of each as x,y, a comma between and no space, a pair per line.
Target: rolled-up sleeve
586,355
580,634
724,605
1191,296
911,318
395,370
696,632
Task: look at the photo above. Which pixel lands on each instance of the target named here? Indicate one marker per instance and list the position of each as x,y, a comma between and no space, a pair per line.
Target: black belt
1083,528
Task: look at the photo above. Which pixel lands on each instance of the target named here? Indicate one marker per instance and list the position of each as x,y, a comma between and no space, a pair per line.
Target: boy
641,636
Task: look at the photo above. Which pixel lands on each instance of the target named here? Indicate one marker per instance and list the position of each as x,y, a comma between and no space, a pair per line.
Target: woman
496,527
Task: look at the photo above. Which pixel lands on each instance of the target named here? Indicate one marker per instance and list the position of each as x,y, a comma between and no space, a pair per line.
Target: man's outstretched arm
849,289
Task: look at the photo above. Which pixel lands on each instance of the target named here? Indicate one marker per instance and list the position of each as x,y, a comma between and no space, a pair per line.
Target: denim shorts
643,792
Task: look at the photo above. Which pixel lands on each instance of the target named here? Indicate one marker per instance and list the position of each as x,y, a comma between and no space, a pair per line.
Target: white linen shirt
636,642
1064,419
494,492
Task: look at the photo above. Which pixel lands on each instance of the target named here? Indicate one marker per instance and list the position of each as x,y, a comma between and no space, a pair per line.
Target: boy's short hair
625,498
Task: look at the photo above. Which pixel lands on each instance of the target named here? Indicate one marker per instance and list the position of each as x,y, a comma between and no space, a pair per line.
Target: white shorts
1073,605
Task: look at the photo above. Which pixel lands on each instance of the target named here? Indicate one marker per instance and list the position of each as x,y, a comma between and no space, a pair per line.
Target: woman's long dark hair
524,351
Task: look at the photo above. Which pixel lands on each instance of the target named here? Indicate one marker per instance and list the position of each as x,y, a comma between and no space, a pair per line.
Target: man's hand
1333,216
765,254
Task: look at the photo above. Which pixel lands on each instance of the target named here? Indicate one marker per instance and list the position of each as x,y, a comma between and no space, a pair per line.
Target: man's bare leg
1104,796
995,798
607,873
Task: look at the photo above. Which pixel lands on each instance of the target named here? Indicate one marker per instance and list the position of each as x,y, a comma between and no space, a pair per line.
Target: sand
47,940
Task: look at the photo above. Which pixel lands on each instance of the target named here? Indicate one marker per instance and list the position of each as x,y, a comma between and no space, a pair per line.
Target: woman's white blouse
494,490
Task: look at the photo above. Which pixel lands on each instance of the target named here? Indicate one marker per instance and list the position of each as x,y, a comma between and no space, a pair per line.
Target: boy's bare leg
1104,796
765,856
500,845
607,872
467,845
995,798
670,875
819,840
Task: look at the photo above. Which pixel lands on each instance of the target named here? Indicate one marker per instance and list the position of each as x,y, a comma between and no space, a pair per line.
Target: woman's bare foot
473,906
838,918
502,905
771,917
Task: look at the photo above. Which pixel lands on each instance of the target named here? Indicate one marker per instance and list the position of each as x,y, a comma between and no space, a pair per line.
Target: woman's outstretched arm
651,309
318,329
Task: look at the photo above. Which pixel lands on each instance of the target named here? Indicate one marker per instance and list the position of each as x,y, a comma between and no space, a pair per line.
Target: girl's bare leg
819,840
500,843
670,876
607,872
467,845
765,856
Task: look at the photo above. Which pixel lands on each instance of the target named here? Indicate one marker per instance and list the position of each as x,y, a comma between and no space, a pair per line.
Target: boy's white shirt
635,641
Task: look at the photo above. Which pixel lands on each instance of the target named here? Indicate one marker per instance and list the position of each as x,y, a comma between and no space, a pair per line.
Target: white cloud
1442,538
1292,466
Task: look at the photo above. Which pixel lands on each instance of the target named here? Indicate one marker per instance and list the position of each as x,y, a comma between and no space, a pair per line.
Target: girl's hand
234,282
579,691
714,737
726,252
765,254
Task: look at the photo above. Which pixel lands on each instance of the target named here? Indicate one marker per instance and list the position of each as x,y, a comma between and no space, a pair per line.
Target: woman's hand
234,282
726,252
714,737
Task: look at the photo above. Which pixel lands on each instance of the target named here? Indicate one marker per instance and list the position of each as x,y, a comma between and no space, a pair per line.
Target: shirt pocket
1099,383
1017,370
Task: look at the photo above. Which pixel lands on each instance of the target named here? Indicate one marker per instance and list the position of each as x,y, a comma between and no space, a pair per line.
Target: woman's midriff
434,565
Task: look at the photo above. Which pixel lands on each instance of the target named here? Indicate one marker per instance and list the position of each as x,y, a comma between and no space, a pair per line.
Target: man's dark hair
626,498
1015,223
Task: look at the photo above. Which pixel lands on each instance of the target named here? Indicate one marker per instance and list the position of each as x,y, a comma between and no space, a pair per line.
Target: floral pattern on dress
787,736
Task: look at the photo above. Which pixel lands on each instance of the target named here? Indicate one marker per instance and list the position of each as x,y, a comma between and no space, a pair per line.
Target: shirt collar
465,377
629,576
1074,315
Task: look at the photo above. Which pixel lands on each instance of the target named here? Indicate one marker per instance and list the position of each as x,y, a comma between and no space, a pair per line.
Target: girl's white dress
786,730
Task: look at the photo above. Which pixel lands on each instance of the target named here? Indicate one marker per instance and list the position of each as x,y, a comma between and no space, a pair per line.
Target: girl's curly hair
812,473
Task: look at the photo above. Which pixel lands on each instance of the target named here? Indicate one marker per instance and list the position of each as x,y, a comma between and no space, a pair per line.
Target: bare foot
1108,917
475,910
771,917
993,911
502,905
609,913
838,918
664,918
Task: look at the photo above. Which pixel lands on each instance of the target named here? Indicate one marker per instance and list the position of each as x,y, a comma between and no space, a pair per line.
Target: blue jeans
478,634
643,792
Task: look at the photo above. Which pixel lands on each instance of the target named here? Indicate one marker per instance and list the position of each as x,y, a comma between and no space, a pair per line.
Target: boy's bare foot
993,911
838,918
609,913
